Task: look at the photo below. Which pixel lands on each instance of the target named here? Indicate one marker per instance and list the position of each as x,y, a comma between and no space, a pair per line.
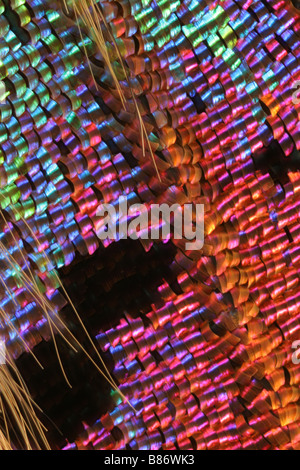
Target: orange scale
289,414
226,417
276,379
271,266
294,253
177,369
136,64
278,243
292,302
148,363
211,440
293,327
288,395
142,345
287,216
291,278
276,336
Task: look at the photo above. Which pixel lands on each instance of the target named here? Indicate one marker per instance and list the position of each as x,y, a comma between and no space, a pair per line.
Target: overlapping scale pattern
210,365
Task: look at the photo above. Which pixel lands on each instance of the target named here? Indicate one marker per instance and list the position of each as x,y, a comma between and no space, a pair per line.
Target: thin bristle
17,408
54,321
94,24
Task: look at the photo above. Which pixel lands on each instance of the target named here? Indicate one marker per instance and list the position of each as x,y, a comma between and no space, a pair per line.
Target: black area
198,103
262,104
130,159
288,234
65,408
112,146
268,6
122,278
119,279
102,104
217,329
273,161
62,147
